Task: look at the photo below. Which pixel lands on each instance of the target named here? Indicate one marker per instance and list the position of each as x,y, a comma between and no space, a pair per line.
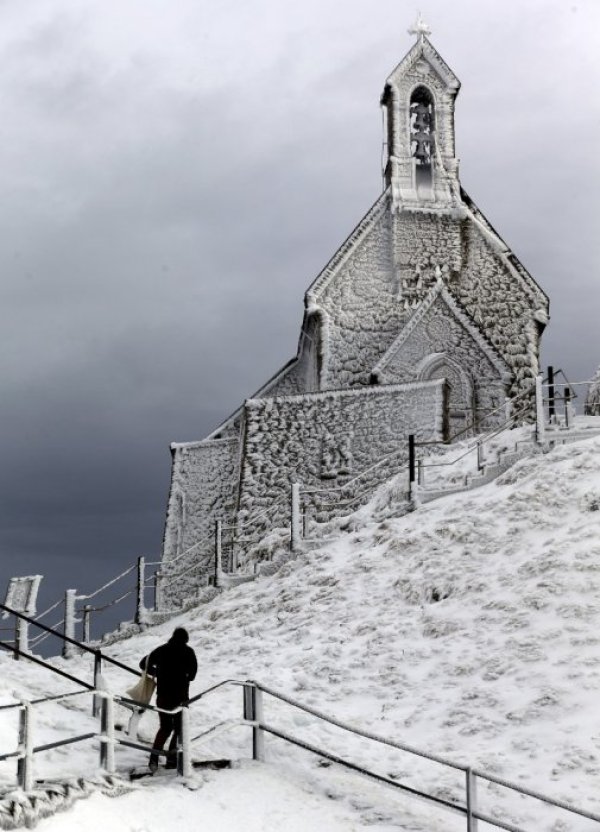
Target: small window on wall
422,129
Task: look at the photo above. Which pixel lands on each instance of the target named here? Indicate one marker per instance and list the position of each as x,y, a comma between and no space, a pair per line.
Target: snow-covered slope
470,628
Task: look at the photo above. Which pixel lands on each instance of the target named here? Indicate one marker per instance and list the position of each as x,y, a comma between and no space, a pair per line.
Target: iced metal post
70,596
253,712
480,456
25,759
140,610
412,471
508,410
184,750
568,412
305,520
107,734
472,825
87,612
158,590
218,552
258,737
540,427
97,681
551,397
21,637
295,518
420,472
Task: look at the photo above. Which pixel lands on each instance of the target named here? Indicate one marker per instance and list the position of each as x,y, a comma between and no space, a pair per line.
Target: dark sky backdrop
174,174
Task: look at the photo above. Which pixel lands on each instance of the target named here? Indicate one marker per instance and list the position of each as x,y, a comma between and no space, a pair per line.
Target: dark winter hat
180,635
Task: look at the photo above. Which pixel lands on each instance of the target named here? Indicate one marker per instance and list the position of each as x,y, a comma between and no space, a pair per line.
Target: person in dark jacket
174,666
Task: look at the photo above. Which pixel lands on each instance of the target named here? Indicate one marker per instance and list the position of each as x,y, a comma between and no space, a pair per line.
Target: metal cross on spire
419,28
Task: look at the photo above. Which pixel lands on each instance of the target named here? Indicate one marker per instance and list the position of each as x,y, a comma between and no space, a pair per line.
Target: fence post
420,473
70,595
21,637
551,396
472,824
25,759
140,609
97,682
87,612
295,518
305,521
158,575
218,552
107,734
508,409
184,750
480,456
568,407
253,712
540,427
412,472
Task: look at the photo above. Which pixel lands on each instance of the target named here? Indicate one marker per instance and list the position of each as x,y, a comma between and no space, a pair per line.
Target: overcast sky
174,173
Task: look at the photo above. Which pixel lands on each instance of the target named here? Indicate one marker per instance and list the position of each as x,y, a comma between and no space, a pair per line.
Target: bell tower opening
422,138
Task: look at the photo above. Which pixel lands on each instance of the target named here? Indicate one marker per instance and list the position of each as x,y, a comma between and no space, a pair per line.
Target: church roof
423,48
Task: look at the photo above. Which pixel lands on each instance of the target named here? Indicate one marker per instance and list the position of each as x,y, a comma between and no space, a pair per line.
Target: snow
469,628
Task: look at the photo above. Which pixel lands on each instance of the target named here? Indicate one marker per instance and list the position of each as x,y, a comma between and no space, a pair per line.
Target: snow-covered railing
469,807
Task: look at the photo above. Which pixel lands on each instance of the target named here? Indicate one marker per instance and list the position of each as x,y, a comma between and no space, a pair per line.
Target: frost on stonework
592,402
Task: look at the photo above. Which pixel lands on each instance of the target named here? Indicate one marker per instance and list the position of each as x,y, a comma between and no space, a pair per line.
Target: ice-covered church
422,322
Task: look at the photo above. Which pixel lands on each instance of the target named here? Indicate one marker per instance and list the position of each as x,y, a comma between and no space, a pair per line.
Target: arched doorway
460,401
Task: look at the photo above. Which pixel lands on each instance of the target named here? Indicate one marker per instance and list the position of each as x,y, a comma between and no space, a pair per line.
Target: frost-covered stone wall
203,489
324,440
503,306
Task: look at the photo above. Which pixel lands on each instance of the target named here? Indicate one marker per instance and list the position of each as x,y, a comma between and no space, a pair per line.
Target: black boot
153,761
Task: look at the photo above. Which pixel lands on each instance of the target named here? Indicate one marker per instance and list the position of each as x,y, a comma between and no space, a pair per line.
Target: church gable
440,341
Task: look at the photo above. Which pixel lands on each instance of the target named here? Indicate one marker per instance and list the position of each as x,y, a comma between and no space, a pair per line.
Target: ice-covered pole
70,597
158,590
21,637
140,609
540,427
25,760
184,758
295,517
218,552
472,824
107,733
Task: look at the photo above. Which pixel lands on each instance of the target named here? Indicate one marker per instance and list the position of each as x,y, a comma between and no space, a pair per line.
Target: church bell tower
418,104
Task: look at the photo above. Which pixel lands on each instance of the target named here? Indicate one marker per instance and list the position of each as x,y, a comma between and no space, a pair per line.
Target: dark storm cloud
173,179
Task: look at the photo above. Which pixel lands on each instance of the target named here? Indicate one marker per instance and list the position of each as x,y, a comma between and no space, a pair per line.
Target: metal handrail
486,438
68,640
353,729
560,804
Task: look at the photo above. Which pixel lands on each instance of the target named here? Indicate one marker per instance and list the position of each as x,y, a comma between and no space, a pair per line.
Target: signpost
21,596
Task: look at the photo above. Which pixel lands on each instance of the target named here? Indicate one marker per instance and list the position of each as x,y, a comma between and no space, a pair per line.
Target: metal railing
253,716
469,808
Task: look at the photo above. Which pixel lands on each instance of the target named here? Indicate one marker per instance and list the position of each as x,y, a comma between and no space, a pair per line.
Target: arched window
422,129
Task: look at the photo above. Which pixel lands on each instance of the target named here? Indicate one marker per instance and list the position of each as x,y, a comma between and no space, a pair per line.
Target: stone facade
324,440
422,322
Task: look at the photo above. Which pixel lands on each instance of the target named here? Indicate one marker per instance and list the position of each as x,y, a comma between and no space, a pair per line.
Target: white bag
142,690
